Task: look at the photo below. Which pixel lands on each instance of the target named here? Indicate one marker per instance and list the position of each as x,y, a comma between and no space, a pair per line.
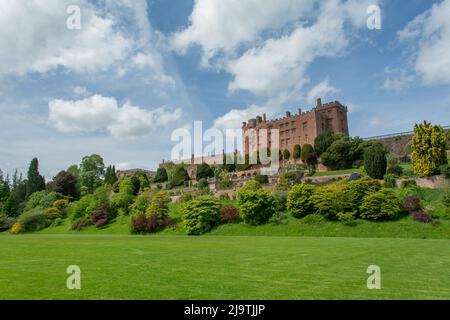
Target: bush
141,203
179,176
390,181
80,223
445,198
229,214
202,184
159,206
262,179
125,196
411,204
347,218
201,215
313,219
204,171
82,208
251,185
445,170
422,217
102,216
329,200
306,150
161,175
299,202
280,200
375,162
382,205
257,207
16,228
356,190
6,223
34,220
143,224
395,170
408,184
42,199
62,207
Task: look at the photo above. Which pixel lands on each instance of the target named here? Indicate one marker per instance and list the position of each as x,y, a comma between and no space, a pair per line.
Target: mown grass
217,267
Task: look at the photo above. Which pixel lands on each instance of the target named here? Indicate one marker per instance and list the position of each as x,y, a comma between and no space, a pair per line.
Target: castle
301,129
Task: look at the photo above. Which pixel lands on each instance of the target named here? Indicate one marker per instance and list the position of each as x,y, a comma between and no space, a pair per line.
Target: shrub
143,224
80,223
356,190
204,171
375,162
287,180
202,184
262,179
428,149
313,219
82,208
445,170
329,200
34,220
251,185
141,203
299,202
280,200
408,183
323,142
16,228
286,154
390,181
161,175
62,206
411,204
297,152
229,214
445,198
395,170
179,176
347,218
257,207
102,216
306,150
125,196
42,199
53,213
159,206
278,218
382,205
201,215
6,222
186,197
422,217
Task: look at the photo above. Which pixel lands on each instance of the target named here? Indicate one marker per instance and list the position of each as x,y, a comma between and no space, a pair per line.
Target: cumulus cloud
98,113
429,34
322,90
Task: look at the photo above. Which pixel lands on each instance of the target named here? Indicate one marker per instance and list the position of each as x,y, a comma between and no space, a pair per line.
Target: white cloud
80,91
397,80
322,90
429,34
99,113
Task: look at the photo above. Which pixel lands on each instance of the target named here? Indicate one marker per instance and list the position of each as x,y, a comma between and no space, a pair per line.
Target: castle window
293,130
305,126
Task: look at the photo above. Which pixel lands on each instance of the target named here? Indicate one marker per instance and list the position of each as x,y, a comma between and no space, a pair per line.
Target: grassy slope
156,267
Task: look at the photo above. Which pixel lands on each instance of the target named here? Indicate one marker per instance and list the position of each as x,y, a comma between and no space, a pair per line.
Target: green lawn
218,267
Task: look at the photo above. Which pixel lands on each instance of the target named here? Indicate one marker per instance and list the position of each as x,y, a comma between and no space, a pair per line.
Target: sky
117,78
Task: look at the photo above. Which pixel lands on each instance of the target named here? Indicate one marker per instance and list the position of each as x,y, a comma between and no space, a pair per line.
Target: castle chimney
288,114
264,117
300,111
319,102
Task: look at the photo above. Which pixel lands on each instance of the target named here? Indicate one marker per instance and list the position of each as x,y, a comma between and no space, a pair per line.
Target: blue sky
136,71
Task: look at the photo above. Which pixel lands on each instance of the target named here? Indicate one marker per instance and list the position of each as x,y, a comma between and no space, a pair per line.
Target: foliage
125,196
422,217
62,206
202,184
84,207
6,222
179,176
16,228
251,185
159,206
201,215
297,152
141,203
35,182
299,202
142,224
408,183
411,204
256,206
102,216
390,181
111,176
286,154
338,155
375,162
356,190
225,181
204,171
42,199
280,197
161,175
306,150
312,160
262,179
328,200
323,142
35,220
395,170
66,184
445,198
92,170
382,205
287,180
445,170
229,214
314,219
428,149
347,218
80,223
11,205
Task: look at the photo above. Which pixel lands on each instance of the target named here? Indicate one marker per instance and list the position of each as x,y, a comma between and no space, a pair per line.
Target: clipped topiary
375,162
